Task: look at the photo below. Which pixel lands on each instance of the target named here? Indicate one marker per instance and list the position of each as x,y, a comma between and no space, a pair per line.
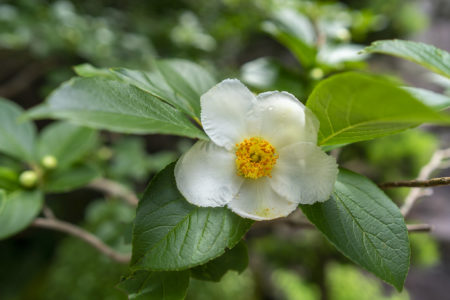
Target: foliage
177,247
430,57
156,285
17,211
424,250
353,107
292,286
81,269
365,226
360,286
171,234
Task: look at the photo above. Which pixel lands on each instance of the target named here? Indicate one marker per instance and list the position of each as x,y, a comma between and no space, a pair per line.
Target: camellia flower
262,160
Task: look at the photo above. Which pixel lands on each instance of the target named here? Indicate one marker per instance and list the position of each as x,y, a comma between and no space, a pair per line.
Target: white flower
262,160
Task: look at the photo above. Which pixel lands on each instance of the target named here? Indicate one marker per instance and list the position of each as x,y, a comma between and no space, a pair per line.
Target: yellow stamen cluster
255,158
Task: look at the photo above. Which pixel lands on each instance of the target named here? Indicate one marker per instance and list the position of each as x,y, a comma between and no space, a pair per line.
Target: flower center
255,158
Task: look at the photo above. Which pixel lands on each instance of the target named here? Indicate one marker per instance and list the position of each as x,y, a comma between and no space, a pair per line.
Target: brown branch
47,212
440,181
82,234
26,77
113,188
304,224
434,163
419,227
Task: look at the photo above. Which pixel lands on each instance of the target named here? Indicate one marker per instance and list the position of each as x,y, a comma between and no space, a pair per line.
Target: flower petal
258,201
226,110
206,175
304,173
285,120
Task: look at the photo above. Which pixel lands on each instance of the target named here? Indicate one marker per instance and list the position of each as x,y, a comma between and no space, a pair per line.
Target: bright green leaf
354,107
9,179
171,234
115,106
144,285
366,226
16,138
68,143
88,70
69,179
435,59
18,210
177,82
430,98
233,259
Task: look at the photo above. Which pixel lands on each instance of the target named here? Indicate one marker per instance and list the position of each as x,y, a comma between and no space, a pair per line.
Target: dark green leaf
18,210
233,259
16,138
144,285
354,107
366,226
171,234
9,179
177,82
115,106
429,98
68,143
69,179
430,57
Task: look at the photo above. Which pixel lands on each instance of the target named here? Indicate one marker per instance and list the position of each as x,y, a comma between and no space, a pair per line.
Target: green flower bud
49,162
28,179
343,34
316,73
104,153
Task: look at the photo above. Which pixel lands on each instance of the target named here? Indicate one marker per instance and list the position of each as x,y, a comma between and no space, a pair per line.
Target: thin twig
113,188
424,174
295,224
439,181
47,212
26,77
82,234
419,227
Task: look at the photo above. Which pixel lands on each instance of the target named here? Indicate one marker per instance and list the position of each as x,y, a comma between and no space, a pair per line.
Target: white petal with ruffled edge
226,112
206,175
258,201
304,173
285,120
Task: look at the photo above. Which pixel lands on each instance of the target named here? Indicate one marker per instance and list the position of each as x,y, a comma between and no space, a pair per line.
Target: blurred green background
275,44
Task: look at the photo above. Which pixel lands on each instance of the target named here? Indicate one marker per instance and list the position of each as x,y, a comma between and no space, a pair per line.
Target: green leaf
354,107
171,234
435,59
430,98
177,82
144,285
18,210
88,70
68,143
115,106
366,226
295,32
65,180
233,259
16,138
9,179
